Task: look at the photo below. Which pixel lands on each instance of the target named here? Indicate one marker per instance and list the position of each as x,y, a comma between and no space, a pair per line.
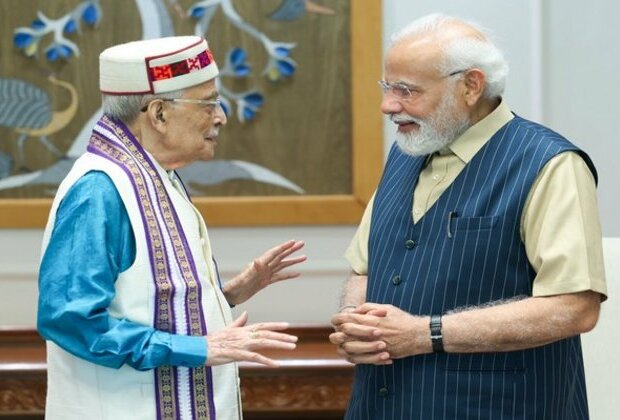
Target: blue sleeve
91,244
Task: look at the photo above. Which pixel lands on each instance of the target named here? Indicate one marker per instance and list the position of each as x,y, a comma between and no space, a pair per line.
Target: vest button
383,392
409,243
396,280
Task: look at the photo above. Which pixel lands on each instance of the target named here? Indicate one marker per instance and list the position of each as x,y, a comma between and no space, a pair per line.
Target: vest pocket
474,223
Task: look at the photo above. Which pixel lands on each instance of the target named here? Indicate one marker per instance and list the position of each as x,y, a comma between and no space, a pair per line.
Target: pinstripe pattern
483,260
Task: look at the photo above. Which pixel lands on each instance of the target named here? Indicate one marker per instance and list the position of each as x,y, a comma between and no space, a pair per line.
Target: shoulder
93,191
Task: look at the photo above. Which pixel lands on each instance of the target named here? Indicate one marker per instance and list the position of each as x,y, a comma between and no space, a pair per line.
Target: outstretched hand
239,342
263,271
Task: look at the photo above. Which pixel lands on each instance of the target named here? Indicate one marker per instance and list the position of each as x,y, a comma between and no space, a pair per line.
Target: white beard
433,133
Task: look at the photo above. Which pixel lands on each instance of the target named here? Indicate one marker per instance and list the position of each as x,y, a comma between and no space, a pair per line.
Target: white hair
127,107
462,53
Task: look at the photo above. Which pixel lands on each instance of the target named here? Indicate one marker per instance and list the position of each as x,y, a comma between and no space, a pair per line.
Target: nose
220,116
390,105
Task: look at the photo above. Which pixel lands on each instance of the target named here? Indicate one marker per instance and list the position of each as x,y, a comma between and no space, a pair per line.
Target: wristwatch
436,336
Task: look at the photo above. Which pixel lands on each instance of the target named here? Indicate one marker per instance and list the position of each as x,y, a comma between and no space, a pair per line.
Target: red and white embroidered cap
156,66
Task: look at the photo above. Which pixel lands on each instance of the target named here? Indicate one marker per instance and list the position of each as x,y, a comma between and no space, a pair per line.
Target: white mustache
404,118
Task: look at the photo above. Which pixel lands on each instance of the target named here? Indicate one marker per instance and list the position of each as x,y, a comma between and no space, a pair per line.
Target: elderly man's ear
155,114
474,80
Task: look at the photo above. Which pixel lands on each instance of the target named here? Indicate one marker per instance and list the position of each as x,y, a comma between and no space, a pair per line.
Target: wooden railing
312,382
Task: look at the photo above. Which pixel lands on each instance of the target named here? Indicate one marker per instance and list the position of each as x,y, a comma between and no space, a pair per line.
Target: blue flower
282,51
280,63
236,62
277,69
58,51
197,12
254,98
92,14
248,114
70,27
249,105
23,39
37,24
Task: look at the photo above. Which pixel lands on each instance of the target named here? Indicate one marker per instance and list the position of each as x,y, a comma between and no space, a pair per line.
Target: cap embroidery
179,68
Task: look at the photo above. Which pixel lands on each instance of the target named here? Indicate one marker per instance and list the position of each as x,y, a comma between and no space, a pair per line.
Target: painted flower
235,64
199,9
70,27
58,51
91,14
27,40
248,105
280,63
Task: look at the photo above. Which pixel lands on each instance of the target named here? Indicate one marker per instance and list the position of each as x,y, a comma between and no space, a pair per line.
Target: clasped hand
376,334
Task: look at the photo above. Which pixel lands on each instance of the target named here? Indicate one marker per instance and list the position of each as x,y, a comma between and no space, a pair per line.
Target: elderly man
136,321
479,261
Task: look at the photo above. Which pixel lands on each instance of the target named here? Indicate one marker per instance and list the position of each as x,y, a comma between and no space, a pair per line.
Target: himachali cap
156,66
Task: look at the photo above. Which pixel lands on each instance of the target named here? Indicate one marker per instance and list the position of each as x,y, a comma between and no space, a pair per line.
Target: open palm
263,271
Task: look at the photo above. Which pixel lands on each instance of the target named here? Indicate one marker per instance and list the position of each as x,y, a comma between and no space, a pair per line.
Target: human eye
401,90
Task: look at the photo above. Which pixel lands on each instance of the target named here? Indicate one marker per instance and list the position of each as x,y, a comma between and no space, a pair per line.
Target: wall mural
289,119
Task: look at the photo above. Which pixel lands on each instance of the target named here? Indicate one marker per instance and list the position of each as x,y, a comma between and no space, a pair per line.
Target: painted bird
27,110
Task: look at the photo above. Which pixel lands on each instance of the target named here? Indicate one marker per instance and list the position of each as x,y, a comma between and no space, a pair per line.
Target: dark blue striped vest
466,250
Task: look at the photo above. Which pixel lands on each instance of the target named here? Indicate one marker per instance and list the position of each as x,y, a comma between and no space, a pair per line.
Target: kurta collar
476,136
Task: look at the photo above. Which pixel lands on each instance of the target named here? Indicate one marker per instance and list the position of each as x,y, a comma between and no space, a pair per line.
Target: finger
284,276
364,332
369,306
382,358
270,335
363,347
250,356
241,320
272,326
289,262
355,318
273,259
337,338
264,343
375,312
274,252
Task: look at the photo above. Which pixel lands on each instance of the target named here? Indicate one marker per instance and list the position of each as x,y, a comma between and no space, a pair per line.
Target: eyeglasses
402,90
202,102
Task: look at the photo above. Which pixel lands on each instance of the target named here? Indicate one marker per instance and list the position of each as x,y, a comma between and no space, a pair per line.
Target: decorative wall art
303,143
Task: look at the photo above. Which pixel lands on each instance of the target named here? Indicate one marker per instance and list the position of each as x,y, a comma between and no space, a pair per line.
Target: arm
353,292
92,243
504,326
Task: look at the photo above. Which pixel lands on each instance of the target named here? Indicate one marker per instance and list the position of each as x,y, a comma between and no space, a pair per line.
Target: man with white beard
478,262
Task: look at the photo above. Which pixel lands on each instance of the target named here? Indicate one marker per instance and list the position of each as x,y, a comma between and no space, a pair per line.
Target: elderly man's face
431,117
193,129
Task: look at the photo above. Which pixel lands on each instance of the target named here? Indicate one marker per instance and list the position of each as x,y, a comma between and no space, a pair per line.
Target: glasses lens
401,91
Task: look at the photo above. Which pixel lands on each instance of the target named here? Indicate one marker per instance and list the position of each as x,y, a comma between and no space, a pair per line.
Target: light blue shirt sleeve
91,244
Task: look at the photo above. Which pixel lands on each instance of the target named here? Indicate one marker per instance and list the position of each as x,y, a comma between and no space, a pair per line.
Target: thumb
241,321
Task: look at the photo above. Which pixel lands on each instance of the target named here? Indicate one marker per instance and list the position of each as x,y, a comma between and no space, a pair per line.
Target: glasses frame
390,87
203,102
